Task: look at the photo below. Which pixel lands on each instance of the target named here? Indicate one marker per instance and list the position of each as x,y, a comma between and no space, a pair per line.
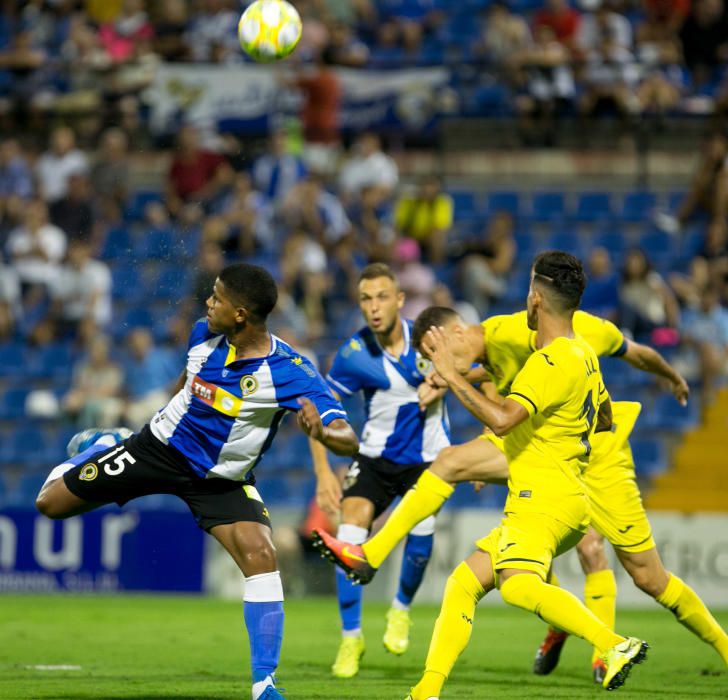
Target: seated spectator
36,247
704,37
561,19
193,173
276,171
368,173
94,398
170,29
657,35
601,296
344,49
406,22
55,166
248,217
311,208
689,288
82,292
75,212
415,279
708,192
486,263
505,35
705,333
110,173
426,216
150,373
603,25
10,304
213,36
26,64
122,37
16,179
647,304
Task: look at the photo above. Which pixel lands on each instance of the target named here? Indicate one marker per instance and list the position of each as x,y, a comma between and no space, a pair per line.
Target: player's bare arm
180,383
500,418
604,417
649,360
337,436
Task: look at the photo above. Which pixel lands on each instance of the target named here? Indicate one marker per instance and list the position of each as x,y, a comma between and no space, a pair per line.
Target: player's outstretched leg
349,595
649,574
104,438
417,551
549,653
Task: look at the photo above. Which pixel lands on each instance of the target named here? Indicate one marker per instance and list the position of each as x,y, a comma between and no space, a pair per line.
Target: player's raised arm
500,418
649,360
337,436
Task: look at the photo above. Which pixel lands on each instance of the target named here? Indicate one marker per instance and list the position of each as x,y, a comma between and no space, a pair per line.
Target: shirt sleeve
603,336
443,212
344,378
537,385
200,333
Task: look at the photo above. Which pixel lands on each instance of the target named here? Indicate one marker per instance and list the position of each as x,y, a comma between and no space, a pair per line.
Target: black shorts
380,481
142,465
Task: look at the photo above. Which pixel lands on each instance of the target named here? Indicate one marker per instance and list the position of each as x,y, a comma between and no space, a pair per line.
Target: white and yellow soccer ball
269,30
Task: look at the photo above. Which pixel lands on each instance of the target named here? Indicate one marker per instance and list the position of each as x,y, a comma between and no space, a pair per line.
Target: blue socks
263,612
348,593
417,551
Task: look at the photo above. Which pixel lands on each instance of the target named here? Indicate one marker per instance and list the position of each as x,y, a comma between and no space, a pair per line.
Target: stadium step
696,480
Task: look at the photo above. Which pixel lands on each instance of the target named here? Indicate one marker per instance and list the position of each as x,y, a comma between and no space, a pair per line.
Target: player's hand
309,419
428,394
328,493
680,390
435,380
437,349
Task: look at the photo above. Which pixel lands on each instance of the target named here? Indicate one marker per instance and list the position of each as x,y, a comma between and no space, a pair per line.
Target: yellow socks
452,630
558,608
600,597
425,498
691,612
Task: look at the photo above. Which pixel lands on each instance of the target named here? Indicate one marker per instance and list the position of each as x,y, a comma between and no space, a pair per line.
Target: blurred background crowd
103,269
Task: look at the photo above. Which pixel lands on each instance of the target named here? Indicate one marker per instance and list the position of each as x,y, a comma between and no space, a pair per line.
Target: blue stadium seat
548,206
659,246
526,243
508,201
570,241
172,283
614,240
137,316
160,243
649,457
593,206
51,361
25,491
463,203
138,202
668,414
126,282
674,199
274,490
29,446
693,240
637,206
12,358
12,403
118,243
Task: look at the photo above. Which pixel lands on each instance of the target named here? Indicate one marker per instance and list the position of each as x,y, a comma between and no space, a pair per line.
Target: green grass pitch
185,648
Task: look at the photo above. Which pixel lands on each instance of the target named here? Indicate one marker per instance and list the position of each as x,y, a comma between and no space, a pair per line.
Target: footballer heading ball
269,30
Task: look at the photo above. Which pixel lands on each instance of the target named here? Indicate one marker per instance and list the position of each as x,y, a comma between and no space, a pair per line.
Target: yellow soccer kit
617,512
547,508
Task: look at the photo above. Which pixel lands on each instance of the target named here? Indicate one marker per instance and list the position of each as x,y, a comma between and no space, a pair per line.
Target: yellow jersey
418,218
561,387
510,342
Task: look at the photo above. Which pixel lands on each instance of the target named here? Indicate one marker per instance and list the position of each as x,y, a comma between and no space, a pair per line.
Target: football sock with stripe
600,597
690,611
558,608
425,498
417,551
348,593
452,630
263,612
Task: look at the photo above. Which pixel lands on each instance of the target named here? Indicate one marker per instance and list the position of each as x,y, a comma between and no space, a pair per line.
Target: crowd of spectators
95,58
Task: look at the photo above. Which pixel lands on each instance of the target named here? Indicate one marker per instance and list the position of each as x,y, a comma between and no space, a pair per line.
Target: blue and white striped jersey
395,427
228,412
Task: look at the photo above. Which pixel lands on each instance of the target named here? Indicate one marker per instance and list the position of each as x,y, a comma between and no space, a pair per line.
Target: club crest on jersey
88,472
248,385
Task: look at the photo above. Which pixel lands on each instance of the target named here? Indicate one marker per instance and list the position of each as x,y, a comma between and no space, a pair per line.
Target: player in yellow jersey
547,418
616,507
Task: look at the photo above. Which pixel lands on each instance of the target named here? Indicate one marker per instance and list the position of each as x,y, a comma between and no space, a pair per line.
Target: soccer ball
269,30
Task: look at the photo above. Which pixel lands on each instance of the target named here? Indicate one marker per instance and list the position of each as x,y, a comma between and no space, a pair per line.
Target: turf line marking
56,667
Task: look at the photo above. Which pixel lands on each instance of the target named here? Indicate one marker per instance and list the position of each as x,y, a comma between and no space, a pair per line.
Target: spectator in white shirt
36,248
275,172
9,300
369,176
56,165
82,291
213,37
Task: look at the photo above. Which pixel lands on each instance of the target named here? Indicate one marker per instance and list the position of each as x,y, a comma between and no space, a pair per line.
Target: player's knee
645,580
591,554
446,465
260,558
49,506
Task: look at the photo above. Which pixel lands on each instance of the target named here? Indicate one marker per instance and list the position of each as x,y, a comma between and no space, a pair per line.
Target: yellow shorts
492,437
530,541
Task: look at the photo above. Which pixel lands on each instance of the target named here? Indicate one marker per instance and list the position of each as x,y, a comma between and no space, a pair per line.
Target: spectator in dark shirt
169,31
74,213
110,173
705,39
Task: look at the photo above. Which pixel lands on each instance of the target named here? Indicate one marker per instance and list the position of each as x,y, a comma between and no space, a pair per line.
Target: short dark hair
563,275
431,316
375,270
251,286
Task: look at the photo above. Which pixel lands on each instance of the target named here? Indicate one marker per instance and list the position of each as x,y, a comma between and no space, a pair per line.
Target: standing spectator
213,33
122,37
56,165
704,37
16,180
193,173
275,172
36,247
82,291
368,172
74,213
149,375
601,296
487,262
561,19
426,216
110,173
647,303
94,397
